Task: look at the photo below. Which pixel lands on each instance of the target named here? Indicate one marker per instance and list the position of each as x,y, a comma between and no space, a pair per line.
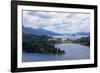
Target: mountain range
83,33
37,31
41,31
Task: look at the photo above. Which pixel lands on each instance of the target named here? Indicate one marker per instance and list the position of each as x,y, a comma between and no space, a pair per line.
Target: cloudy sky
59,22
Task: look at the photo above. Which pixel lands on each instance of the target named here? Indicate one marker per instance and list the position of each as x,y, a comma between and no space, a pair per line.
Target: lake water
72,52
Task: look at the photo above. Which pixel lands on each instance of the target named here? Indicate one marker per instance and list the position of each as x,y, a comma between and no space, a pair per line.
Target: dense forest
83,41
40,44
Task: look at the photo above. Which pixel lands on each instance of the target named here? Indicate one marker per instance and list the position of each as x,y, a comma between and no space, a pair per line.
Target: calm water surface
72,52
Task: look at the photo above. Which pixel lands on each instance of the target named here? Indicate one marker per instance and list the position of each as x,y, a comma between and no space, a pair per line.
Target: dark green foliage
39,44
83,40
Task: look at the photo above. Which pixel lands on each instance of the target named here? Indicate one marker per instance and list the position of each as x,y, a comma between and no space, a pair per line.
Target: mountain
37,31
78,33
83,33
34,37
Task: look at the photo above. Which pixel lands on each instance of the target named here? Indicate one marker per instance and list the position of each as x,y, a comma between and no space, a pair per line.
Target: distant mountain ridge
83,33
37,31
78,33
41,32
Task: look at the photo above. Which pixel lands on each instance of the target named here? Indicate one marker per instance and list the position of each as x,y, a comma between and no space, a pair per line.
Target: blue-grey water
72,52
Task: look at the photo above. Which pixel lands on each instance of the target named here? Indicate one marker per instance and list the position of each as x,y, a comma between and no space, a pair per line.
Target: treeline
83,41
40,46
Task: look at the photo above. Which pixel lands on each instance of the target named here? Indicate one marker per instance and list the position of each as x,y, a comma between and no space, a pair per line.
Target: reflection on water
72,52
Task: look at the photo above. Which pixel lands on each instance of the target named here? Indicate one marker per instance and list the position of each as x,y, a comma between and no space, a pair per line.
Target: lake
72,52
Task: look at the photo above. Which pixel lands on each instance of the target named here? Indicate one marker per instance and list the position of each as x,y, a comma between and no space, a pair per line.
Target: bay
72,52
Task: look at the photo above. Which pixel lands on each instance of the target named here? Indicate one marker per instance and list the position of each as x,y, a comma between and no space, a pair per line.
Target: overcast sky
59,22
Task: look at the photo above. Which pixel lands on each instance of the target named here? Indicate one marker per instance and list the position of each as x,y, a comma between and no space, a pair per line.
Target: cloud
60,22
